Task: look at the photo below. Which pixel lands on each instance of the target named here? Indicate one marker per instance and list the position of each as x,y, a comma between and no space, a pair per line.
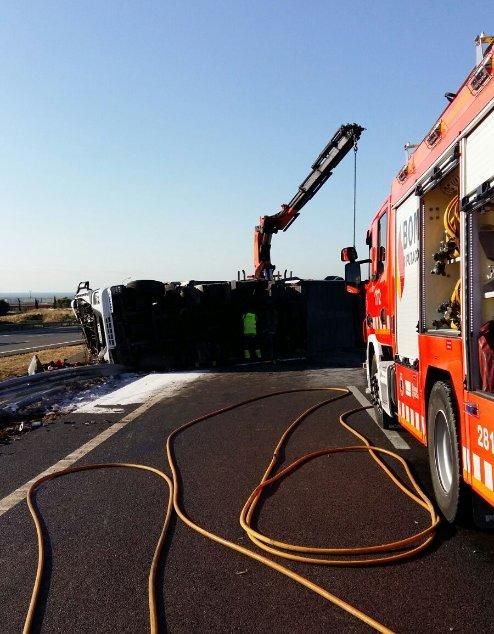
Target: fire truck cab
429,318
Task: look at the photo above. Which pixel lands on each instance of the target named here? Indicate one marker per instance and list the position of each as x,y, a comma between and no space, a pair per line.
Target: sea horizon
35,294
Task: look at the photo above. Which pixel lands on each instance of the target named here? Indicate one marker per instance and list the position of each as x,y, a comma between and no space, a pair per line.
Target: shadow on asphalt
340,359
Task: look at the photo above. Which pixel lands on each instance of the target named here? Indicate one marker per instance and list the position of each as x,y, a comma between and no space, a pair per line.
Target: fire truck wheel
384,420
444,452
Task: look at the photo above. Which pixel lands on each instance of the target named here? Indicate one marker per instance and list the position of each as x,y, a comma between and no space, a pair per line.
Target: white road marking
47,345
20,494
394,437
476,467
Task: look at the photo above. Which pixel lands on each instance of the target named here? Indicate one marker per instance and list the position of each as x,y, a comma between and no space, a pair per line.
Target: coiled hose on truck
451,221
367,555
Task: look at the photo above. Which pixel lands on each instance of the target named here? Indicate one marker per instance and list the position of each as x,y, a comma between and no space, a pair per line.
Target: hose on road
153,611
369,555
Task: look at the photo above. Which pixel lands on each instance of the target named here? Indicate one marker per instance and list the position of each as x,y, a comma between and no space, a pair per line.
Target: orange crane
338,147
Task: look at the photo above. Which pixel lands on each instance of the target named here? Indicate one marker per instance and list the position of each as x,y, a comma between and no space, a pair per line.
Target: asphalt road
103,525
38,338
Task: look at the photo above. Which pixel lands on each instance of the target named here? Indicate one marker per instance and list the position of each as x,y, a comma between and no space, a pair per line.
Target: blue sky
144,139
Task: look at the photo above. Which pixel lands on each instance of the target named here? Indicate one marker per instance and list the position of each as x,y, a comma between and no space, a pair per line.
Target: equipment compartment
441,302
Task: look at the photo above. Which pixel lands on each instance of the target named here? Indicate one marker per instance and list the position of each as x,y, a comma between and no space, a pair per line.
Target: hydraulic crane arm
338,147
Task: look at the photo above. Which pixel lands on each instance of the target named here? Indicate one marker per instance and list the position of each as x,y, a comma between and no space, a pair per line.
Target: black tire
444,453
384,420
149,287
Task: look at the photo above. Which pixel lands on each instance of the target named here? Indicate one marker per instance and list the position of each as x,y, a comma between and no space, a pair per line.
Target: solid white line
20,494
47,345
394,437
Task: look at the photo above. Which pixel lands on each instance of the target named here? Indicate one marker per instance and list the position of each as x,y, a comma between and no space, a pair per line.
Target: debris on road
35,366
15,365
34,404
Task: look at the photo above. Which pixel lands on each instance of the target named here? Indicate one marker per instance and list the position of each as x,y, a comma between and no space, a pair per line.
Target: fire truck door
407,267
377,294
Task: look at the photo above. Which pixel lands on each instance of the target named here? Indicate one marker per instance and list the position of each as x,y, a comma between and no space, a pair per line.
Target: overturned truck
155,325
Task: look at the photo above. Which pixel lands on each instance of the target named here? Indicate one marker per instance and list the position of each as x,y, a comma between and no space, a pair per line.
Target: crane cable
355,150
400,549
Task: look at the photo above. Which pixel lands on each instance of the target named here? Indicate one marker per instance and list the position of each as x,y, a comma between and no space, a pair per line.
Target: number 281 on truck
429,299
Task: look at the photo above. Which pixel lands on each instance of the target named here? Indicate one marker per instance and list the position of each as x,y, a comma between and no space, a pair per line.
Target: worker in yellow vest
251,340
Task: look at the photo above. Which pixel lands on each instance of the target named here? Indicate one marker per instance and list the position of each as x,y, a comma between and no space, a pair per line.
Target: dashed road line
394,437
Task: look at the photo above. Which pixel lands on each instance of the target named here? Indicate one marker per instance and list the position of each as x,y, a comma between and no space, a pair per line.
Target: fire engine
429,299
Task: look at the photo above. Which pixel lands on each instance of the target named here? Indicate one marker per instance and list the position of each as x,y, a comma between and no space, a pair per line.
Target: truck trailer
149,324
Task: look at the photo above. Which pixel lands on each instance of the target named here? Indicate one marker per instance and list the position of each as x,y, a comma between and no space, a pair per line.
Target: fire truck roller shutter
407,265
479,165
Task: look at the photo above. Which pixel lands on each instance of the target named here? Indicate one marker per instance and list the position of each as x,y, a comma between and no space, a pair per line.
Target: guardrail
25,390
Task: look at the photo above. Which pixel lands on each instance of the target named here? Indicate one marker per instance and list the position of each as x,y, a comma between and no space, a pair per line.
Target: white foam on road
139,391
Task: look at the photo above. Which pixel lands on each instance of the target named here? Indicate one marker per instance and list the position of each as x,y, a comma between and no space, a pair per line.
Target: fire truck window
381,251
368,242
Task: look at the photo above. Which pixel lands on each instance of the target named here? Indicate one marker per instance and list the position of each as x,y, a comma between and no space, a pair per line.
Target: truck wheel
444,452
384,420
149,287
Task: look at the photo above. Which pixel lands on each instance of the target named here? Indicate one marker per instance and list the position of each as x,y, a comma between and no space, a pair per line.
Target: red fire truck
430,297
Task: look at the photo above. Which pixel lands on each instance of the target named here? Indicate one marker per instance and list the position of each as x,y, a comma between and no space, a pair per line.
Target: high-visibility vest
250,323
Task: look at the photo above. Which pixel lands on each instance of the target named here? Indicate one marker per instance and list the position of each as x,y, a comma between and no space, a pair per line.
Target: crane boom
335,150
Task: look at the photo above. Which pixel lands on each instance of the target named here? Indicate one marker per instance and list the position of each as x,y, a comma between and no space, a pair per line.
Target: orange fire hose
153,611
351,556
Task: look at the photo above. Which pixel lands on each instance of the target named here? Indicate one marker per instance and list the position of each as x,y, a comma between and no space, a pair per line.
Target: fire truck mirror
382,254
349,254
352,275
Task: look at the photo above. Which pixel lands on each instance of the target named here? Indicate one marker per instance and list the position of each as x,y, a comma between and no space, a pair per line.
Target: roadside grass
39,316
16,365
